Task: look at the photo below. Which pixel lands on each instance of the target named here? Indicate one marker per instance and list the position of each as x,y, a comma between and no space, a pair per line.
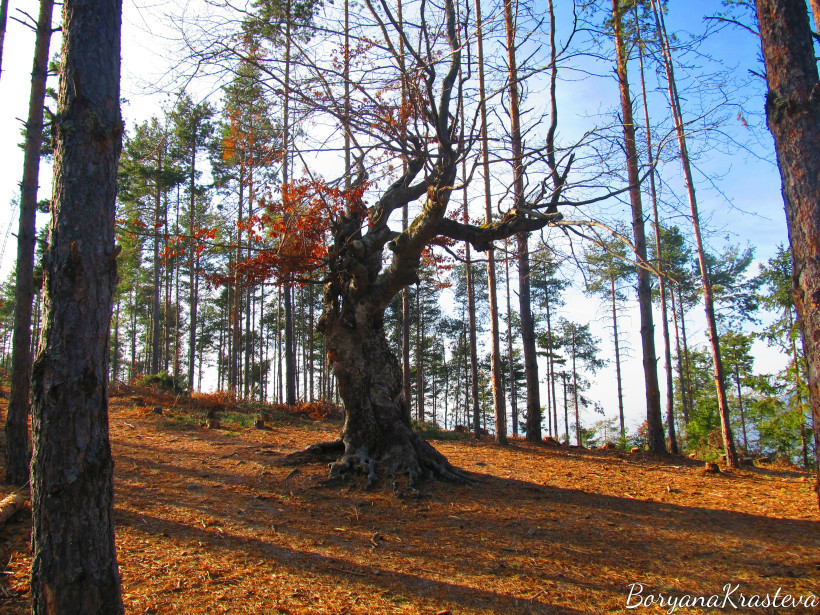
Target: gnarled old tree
366,262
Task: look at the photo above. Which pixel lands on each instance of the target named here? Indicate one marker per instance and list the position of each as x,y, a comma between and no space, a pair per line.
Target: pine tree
653,408
608,267
17,451
74,569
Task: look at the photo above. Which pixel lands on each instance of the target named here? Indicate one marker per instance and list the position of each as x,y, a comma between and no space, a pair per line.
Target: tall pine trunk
524,295
513,388
667,348
499,403
708,299
290,342
793,116
687,363
192,263
617,357
468,267
75,567
17,450
155,322
650,365
552,369
681,377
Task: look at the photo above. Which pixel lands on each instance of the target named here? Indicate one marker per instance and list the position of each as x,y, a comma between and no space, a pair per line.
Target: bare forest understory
212,521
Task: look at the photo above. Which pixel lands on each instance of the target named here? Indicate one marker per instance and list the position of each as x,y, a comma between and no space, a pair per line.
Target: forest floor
209,521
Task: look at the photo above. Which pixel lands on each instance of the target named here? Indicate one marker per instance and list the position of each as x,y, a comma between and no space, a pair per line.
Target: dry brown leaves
208,522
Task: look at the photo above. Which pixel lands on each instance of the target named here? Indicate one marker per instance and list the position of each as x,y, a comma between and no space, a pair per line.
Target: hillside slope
210,521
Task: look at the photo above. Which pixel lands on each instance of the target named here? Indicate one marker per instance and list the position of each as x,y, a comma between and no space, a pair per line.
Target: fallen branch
10,506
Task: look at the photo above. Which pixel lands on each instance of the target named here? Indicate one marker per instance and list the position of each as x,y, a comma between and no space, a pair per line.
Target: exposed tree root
324,452
411,455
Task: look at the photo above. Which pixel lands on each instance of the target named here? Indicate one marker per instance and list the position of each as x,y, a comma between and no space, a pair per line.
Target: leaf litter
211,521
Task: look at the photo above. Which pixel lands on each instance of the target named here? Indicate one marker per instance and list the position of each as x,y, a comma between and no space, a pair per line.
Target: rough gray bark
290,341
377,437
17,442
75,566
471,318
194,274
793,116
419,358
552,370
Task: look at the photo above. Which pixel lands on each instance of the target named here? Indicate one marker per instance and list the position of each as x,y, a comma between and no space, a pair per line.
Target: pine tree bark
552,369
793,116
468,267
194,279
617,358
17,442
499,403
575,391
115,368
290,350
706,282
740,407
290,342
75,567
681,377
236,322
670,391
687,363
523,252
513,387
650,363
471,325
155,321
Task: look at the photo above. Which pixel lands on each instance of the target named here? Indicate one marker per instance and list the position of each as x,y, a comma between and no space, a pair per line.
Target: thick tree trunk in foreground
75,566
793,116
17,451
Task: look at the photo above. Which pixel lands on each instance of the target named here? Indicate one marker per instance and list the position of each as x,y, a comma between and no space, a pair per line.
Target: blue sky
744,202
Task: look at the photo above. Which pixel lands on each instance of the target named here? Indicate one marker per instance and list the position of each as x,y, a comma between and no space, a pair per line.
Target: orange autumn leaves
289,240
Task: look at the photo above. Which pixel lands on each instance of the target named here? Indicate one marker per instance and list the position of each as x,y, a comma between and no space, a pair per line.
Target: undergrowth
431,431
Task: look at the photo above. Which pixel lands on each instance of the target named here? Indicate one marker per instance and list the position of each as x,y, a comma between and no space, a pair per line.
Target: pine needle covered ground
211,521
